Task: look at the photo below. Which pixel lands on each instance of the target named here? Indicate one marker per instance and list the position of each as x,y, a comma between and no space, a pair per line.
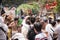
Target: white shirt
40,36
49,29
18,36
4,26
58,30
25,29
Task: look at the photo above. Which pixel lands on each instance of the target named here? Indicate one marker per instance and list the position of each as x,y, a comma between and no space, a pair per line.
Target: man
40,35
48,28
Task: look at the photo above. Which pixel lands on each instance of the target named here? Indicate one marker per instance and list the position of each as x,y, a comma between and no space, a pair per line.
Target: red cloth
54,4
47,6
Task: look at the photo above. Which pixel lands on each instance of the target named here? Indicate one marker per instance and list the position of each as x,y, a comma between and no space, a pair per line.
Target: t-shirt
41,36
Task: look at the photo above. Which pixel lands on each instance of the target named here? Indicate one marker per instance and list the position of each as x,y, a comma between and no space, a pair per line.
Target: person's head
45,19
37,19
58,19
8,17
2,12
32,19
38,26
13,8
50,20
16,19
53,23
28,22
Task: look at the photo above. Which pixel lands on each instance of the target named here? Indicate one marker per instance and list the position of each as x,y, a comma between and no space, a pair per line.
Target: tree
15,2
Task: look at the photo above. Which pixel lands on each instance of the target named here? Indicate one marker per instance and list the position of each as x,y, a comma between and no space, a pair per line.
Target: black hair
6,16
46,20
16,18
53,23
50,20
28,22
32,19
2,11
38,26
16,39
58,20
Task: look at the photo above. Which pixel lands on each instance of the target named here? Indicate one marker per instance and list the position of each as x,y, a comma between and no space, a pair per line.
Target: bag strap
2,29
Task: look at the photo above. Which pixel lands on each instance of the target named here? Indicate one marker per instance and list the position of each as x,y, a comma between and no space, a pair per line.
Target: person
57,29
12,11
53,23
48,28
2,12
40,35
3,29
6,9
18,35
13,25
26,26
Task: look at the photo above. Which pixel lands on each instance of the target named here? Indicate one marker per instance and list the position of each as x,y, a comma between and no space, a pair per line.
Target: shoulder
18,35
39,35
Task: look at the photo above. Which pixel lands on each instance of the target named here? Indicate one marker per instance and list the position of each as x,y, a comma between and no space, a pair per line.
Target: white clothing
18,36
25,29
58,30
13,13
4,26
49,29
1,19
41,36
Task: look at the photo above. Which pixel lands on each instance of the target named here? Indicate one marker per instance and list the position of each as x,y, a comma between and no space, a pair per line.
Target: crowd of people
33,27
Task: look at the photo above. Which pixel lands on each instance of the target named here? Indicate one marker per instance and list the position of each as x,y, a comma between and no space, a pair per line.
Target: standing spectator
48,28
3,29
40,35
